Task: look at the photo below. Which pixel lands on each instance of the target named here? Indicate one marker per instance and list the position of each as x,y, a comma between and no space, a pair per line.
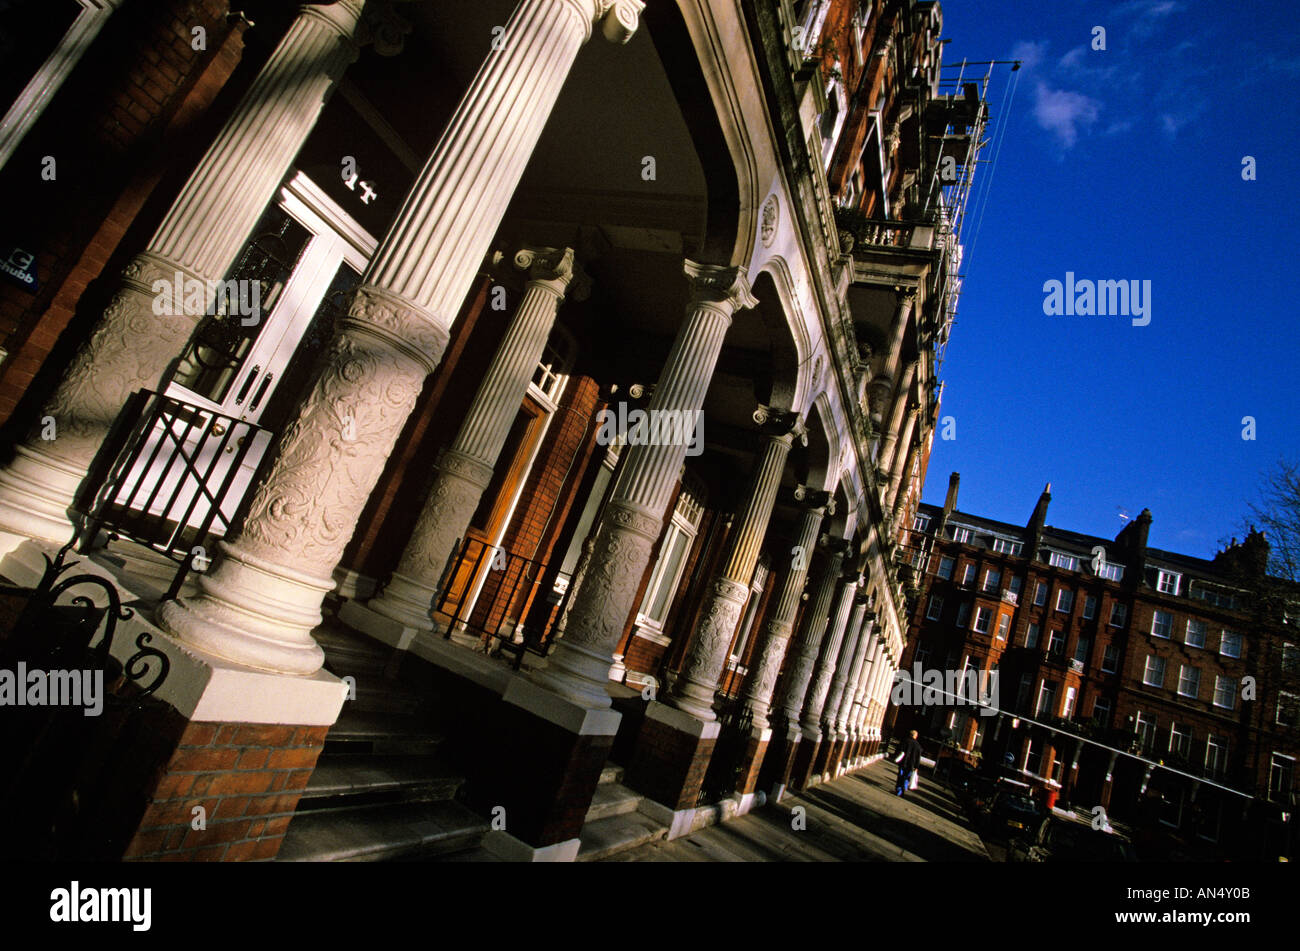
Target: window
962,535
968,576
992,578
1145,728
1288,709
982,618
1040,594
1220,599
1067,708
1189,682
921,656
1216,755
1101,710
1007,547
1004,626
1230,644
1089,607
946,564
1225,692
1111,572
1081,650
935,608
1180,740
1031,636
1281,774
1065,601
921,523
1162,624
1290,659
1057,560
1118,614
1154,673
1014,584
1046,699
1195,633
1023,691
680,534
963,613
1110,659
1167,581
1056,644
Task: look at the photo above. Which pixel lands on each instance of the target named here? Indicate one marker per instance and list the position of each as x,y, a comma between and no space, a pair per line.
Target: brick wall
246,777
668,765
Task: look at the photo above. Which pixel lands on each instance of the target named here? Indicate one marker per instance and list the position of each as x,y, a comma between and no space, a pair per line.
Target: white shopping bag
916,782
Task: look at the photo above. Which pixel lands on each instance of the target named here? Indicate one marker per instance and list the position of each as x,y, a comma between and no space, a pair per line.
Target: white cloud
1030,54
1064,113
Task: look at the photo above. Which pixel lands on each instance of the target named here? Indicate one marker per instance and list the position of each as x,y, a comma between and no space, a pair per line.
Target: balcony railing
859,232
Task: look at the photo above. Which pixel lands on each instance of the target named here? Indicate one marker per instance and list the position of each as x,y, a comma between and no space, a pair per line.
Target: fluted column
840,701
694,689
634,516
262,596
757,694
884,381
132,345
810,638
465,468
821,685
889,441
858,709
900,495
900,455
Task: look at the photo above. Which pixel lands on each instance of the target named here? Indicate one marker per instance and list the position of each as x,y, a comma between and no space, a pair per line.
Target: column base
36,491
801,773
405,601
509,849
252,612
751,762
672,754
778,762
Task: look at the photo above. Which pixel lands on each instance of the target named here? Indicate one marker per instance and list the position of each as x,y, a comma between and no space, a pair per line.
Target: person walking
909,760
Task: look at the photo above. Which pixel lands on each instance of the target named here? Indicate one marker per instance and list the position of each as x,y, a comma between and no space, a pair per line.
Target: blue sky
1126,164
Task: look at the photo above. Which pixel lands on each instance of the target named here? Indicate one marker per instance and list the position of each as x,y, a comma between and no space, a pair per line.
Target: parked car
1014,814
1058,839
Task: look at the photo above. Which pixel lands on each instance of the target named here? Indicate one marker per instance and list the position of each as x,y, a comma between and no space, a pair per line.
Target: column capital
554,269
724,286
618,19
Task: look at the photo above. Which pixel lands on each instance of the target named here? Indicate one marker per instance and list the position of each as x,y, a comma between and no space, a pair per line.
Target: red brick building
1153,684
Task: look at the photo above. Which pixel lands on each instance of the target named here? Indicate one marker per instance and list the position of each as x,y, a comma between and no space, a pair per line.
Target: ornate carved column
261,598
889,436
900,496
200,236
852,654
821,685
465,468
776,633
810,636
694,690
634,515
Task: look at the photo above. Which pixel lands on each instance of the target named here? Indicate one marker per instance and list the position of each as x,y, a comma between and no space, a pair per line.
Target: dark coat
911,755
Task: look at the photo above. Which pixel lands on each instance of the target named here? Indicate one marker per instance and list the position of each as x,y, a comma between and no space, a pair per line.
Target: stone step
410,777
359,732
377,694
606,837
381,833
611,774
611,799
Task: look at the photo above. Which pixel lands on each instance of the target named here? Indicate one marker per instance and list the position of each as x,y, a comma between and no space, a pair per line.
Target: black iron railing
170,476
503,597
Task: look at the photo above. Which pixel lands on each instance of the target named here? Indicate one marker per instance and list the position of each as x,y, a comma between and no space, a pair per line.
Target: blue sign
20,267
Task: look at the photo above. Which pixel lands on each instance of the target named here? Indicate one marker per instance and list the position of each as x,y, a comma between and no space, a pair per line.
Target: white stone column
694,689
900,454
900,495
889,440
634,516
821,685
884,381
465,468
810,638
757,694
852,654
260,600
858,711
132,346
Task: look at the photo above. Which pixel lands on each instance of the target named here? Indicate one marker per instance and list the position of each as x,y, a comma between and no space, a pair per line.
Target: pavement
855,818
